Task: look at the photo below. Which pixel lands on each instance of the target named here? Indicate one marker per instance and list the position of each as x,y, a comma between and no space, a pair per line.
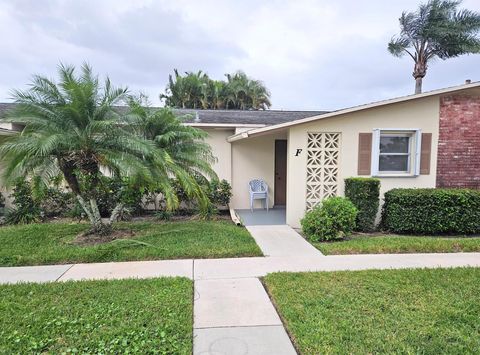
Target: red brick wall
458,162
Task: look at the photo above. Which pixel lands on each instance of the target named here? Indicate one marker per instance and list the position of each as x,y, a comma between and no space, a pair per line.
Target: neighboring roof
260,131
4,107
228,117
246,117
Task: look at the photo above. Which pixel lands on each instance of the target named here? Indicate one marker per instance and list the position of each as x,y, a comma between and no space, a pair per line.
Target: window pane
393,163
394,144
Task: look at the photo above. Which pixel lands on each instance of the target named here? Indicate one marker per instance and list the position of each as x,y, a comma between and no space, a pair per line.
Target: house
426,140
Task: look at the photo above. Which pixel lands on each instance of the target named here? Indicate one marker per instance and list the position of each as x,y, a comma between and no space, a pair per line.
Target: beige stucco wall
217,138
252,158
422,114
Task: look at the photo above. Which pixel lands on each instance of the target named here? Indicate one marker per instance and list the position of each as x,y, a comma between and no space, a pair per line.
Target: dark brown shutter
425,153
364,153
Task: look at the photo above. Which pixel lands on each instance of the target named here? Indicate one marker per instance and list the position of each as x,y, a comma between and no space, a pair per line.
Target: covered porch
260,158
260,217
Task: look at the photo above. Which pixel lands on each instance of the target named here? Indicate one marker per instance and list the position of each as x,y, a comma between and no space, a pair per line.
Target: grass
51,243
127,316
417,311
399,244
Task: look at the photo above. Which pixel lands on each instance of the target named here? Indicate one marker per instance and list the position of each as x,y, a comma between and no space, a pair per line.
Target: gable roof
263,130
231,118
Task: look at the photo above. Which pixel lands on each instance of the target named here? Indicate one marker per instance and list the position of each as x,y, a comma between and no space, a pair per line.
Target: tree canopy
438,29
74,128
199,91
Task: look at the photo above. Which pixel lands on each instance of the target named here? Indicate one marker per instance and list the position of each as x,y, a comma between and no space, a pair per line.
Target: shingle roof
267,117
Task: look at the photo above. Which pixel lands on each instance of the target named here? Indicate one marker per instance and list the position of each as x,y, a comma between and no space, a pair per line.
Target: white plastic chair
258,191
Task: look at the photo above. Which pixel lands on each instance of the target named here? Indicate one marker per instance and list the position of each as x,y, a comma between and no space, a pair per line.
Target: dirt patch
180,218
89,239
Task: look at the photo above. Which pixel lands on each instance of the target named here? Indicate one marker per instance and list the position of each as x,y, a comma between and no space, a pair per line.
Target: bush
365,195
333,219
163,215
219,192
113,190
208,213
54,202
432,211
2,206
25,210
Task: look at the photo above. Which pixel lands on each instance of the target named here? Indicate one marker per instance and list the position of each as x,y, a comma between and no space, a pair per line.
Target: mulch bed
89,239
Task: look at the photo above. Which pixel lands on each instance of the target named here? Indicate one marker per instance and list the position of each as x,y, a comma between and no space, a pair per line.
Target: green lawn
51,243
127,316
399,244
418,311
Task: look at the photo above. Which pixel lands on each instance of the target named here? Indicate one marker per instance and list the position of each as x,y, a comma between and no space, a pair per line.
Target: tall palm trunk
419,72
418,85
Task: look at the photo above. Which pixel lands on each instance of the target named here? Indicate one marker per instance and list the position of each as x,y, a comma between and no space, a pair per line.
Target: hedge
365,195
432,211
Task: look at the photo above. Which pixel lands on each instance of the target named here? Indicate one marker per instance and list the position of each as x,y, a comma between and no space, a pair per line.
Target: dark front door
280,188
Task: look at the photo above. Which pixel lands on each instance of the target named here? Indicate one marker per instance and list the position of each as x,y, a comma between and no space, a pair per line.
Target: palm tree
197,90
71,128
436,30
186,91
218,94
237,87
174,95
181,150
258,95
244,93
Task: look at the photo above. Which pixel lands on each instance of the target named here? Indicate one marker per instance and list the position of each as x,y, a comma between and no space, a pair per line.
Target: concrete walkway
235,316
232,311
282,240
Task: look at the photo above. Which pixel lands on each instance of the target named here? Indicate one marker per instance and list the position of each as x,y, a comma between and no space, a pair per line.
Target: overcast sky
310,54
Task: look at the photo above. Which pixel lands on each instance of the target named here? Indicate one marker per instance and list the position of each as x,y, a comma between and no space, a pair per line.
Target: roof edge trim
255,132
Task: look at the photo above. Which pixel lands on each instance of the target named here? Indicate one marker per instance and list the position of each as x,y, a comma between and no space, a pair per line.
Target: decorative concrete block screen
323,150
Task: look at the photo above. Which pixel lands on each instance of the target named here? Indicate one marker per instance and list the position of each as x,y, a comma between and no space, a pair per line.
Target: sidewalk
232,311
208,269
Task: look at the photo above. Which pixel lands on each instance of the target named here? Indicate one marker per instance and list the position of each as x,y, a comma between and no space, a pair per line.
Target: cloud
312,54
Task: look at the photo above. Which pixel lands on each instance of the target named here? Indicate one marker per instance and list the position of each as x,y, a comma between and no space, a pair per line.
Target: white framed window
396,152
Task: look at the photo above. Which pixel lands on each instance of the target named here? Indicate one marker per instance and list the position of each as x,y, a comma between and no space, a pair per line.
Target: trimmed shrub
333,219
365,195
432,211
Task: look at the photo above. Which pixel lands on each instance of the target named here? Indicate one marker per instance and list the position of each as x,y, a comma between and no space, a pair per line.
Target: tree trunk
93,214
418,85
86,209
92,211
419,72
115,213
